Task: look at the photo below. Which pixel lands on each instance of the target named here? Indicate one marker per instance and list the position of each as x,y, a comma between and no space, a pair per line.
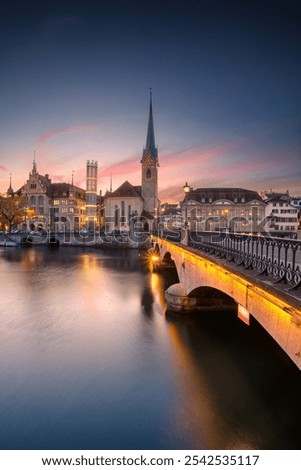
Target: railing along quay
276,257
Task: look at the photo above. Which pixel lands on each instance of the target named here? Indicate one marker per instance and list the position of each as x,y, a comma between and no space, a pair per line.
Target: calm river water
90,360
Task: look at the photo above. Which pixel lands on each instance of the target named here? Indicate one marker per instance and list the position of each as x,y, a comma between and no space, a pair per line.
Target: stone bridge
202,276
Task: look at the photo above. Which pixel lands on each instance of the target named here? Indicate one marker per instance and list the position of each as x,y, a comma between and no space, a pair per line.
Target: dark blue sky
226,91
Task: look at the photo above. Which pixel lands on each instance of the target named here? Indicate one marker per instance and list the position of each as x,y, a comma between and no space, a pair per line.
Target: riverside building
220,209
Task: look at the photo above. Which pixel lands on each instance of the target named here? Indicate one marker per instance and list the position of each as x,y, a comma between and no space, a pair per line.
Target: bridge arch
278,312
209,298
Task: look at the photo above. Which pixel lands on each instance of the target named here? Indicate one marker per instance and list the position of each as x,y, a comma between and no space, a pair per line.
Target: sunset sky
225,74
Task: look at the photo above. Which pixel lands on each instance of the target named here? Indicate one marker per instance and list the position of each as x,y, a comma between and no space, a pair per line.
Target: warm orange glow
274,303
243,314
155,258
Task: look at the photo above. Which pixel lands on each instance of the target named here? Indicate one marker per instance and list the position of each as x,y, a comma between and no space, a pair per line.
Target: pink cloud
58,178
3,168
66,130
124,167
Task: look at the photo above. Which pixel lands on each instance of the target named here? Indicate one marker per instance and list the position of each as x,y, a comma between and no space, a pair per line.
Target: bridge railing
276,257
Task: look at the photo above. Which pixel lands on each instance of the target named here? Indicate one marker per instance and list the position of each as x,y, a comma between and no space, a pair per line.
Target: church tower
149,167
91,194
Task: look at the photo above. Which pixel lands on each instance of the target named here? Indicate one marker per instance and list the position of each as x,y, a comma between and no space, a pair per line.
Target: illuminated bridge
261,276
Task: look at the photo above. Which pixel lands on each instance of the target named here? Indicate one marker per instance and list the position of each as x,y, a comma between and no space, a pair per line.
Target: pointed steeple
149,168
34,165
10,190
150,146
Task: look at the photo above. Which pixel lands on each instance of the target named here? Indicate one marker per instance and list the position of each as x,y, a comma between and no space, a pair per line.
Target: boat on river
7,243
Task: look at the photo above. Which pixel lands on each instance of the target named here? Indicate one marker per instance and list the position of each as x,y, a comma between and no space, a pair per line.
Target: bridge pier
178,300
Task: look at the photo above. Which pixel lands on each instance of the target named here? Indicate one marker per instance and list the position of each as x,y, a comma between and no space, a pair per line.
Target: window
148,173
33,186
122,212
116,215
56,202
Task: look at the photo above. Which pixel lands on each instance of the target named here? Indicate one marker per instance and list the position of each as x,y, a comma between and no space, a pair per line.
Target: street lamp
186,189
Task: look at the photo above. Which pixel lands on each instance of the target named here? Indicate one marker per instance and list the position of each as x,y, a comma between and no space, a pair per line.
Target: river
89,359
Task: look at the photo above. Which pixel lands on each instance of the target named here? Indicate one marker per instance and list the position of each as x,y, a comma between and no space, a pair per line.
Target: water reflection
89,360
230,392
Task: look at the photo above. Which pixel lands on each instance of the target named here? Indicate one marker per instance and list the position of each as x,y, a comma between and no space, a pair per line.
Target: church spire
150,138
10,190
34,165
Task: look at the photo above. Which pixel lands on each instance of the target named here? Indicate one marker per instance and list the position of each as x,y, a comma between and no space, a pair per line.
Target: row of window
64,210
284,211
284,227
285,219
224,213
119,213
280,204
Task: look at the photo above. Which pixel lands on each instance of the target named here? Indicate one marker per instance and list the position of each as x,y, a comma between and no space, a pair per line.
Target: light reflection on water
89,361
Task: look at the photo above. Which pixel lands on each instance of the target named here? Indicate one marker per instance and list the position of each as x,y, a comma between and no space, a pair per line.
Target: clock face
148,161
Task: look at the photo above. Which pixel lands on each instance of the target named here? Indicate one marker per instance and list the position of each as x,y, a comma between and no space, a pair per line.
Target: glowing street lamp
186,189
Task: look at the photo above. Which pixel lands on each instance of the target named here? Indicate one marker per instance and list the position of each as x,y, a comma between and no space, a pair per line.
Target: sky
225,78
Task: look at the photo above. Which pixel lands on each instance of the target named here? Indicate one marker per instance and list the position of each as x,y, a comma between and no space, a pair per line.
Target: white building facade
220,209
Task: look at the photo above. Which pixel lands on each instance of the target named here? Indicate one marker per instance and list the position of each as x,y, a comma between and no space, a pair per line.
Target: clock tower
149,168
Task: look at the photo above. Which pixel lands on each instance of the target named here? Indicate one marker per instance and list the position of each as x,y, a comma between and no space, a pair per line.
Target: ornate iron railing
279,258
276,257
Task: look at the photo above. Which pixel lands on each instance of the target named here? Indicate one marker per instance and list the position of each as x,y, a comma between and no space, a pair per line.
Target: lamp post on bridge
185,238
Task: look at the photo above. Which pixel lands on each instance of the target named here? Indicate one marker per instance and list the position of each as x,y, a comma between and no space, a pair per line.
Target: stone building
220,209
38,204
67,210
282,214
55,206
